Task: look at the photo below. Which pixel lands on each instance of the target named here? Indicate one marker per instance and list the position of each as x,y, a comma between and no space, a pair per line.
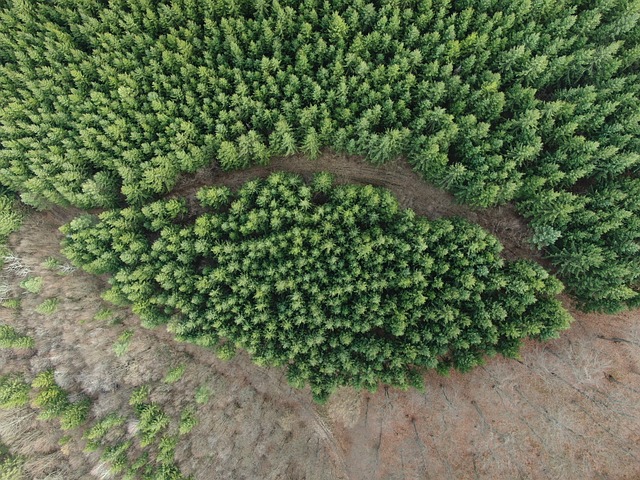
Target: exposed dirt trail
410,189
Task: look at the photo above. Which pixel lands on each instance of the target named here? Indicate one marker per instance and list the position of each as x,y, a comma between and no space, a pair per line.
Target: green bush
75,414
49,306
152,420
51,263
139,396
339,285
166,450
11,466
117,456
9,338
98,430
202,395
50,397
10,217
122,344
53,402
11,303
32,284
175,374
103,314
14,392
188,420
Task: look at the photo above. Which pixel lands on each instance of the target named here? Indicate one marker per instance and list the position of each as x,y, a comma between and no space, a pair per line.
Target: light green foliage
203,393
226,351
166,472
32,284
98,430
103,314
11,303
188,420
338,284
11,466
139,466
75,414
49,306
532,101
14,392
44,379
53,402
214,197
122,344
174,374
139,396
152,420
152,436
9,338
166,449
51,263
10,217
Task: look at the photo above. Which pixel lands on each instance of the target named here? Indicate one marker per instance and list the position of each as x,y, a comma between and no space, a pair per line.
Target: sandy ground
568,409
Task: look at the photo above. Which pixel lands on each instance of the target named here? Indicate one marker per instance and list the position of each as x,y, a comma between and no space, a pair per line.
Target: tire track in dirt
251,374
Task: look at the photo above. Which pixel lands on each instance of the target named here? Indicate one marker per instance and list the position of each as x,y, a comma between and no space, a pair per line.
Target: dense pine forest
107,106
534,102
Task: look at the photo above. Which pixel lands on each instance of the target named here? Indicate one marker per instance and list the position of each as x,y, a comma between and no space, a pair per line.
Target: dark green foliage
336,283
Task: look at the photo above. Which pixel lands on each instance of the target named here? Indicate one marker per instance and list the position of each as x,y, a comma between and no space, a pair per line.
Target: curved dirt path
411,190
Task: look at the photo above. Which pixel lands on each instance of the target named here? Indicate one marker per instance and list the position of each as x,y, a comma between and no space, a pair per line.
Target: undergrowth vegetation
336,283
10,338
499,100
10,216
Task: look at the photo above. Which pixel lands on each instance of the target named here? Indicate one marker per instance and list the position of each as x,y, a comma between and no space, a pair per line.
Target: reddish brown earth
568,409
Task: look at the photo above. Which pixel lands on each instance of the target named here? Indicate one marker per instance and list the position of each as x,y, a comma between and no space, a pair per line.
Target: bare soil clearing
568,409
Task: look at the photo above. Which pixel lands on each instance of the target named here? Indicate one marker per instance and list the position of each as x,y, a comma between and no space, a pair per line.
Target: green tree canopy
496,100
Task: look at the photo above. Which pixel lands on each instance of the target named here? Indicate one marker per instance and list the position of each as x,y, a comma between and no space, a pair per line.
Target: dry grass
345,407
568,409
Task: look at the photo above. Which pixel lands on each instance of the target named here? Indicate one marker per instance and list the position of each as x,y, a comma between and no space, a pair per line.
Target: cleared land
569,409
